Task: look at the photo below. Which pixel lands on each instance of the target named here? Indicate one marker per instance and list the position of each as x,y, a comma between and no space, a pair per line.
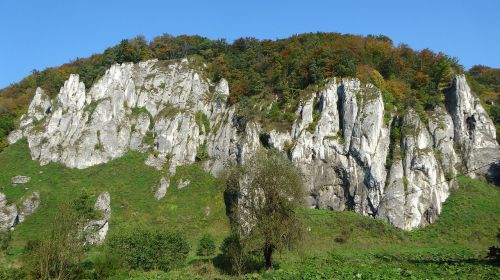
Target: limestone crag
96,230
11,215
161,190
351,152
474,132
147,106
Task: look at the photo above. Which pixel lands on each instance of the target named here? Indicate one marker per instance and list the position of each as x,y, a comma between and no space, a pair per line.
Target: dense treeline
275,72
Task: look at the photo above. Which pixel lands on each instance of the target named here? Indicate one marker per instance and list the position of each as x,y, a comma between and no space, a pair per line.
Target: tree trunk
268,256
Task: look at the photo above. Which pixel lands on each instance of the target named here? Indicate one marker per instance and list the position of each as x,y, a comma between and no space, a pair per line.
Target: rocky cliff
352,154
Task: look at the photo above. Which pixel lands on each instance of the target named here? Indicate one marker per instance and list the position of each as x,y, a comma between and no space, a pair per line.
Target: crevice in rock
471,125
340,106
264,140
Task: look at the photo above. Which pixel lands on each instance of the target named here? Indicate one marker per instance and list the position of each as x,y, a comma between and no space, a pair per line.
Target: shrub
202,152
233,255
103,266
11,273
58,256
206,246
84,206
345,235
150,249
494,251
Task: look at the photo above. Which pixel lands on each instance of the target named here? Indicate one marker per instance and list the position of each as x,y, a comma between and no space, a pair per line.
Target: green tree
266,211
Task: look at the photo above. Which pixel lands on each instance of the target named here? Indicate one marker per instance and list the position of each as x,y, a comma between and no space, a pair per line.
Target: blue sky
37,34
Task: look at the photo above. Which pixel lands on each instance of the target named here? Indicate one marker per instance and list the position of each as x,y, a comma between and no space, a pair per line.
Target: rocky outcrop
182,184
19,180
353,155
161,190
474,132
8,214
95,231
11,215
150,106
29,206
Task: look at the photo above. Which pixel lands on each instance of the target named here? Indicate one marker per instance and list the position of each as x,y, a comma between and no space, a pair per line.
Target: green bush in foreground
206,246
150,249
58,256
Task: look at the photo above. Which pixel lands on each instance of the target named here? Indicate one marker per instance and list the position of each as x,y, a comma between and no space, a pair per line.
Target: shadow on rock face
493,174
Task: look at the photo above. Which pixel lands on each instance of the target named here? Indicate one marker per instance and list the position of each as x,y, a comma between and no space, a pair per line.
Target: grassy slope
452,248
131,186
338,245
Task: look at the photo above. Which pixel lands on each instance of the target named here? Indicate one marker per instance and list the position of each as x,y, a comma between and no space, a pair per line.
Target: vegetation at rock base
150,239
147,249
206,246
275,72
59,255
265,214
335,245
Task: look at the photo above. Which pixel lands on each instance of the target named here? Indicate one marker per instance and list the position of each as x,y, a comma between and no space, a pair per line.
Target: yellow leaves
377,80
363,73
399,88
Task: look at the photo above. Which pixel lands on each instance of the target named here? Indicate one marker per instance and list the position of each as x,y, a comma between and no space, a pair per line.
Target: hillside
339,245
118,163
353,153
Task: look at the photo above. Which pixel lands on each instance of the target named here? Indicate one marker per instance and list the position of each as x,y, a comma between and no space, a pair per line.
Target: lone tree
268,191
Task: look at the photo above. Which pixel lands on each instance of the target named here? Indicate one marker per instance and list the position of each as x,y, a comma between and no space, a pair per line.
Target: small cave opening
264,140
471,123
48,110
493,174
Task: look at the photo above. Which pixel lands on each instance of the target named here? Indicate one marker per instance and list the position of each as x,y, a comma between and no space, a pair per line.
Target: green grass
345,245
131,185
337,245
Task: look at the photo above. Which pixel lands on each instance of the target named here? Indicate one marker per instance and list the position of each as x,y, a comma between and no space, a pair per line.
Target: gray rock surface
340,141
29,206
474,132
182,184
161,189
18,180
95,231
8,214
11,215
103,205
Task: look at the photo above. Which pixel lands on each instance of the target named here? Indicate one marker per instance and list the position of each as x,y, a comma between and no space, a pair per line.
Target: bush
83,204
103,266
233,255
58,256
150,249
11,273
494,251
206,246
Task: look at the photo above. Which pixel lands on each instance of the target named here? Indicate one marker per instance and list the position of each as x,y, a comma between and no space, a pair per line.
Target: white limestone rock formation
151,105
161,189
11,215
8,214
182,184
340,142
95,231
474,132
